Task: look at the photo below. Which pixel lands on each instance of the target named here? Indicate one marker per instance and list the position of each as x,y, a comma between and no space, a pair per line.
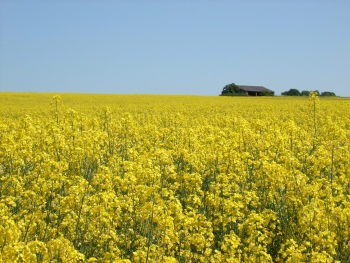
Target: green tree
266,93
230,88
327,93
291,92
305,93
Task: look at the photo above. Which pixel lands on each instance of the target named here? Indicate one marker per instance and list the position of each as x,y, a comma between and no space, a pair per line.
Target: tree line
295,92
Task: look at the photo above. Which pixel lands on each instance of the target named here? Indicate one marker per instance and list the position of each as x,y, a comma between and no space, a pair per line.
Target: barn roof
253,88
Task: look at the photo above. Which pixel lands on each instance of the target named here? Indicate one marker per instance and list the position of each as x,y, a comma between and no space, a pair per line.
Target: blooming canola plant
155,178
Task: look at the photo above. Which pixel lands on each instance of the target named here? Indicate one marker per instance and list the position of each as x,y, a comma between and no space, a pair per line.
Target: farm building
254,90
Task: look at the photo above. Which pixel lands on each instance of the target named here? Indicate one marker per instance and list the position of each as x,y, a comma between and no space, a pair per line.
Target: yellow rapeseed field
155,178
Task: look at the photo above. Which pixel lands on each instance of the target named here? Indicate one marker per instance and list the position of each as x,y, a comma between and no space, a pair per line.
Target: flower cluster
140,178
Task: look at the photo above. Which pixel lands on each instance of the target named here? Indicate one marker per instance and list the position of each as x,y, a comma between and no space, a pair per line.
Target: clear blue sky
174,47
